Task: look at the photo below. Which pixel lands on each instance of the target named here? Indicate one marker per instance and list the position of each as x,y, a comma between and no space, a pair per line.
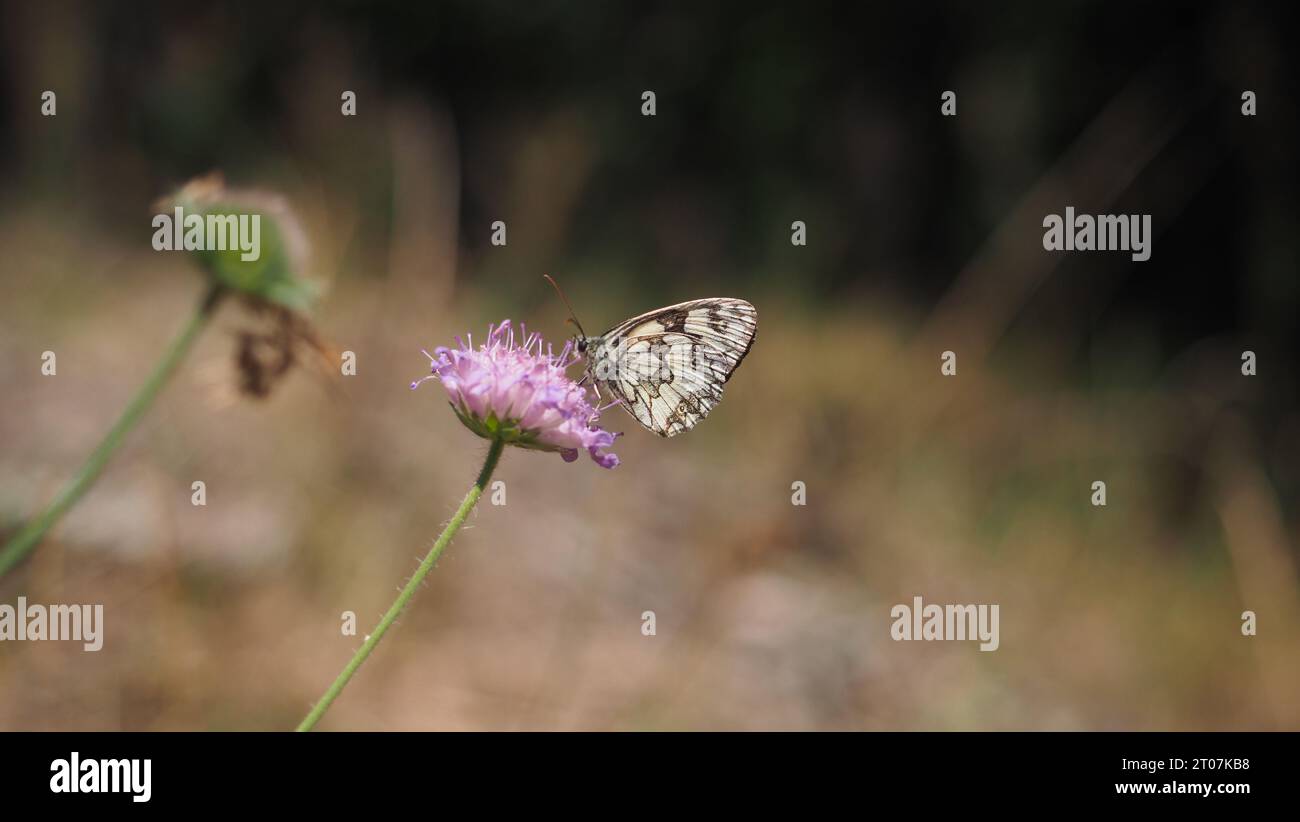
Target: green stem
26,540
399,604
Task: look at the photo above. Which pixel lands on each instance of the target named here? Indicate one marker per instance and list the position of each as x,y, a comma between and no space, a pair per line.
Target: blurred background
924,235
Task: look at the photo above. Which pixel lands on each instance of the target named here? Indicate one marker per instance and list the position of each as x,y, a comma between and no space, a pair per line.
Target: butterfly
667,367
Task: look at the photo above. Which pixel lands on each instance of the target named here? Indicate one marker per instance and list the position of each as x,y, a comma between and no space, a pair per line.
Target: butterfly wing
668,366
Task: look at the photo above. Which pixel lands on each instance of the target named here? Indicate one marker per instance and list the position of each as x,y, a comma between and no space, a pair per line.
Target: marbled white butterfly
667,366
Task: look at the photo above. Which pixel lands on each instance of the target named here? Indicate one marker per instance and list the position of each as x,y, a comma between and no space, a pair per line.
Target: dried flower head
519,393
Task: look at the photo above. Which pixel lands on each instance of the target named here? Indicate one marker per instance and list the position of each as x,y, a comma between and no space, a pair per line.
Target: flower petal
515,388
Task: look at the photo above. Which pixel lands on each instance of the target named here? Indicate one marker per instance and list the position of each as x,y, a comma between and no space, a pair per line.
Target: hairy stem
404,598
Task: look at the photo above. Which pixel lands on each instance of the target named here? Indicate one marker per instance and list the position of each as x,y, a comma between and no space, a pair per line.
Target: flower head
271,271
520,393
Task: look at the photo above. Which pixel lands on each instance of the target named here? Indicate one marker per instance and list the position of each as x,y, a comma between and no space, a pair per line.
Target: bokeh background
924,235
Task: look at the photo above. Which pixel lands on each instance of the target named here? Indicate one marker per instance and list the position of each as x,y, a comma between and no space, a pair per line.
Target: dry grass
974,489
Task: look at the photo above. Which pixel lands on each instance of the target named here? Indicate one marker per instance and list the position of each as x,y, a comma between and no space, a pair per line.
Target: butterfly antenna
572,317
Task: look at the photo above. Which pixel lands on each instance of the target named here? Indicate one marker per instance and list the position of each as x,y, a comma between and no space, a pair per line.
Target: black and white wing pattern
668,366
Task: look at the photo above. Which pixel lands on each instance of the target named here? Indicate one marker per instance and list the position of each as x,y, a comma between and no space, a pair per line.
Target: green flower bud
248,241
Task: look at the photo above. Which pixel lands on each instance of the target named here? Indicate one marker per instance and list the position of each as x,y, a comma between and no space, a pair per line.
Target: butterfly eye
582,346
